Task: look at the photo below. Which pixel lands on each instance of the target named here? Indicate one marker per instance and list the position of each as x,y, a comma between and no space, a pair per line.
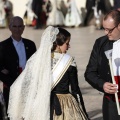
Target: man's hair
115,15
12,20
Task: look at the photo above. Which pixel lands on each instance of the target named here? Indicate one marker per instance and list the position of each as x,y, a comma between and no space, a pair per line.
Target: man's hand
110,88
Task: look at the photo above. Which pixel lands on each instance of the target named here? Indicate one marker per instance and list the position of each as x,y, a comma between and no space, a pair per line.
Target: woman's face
65,46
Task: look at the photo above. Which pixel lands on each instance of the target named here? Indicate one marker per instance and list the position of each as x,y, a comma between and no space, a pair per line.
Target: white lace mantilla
30,93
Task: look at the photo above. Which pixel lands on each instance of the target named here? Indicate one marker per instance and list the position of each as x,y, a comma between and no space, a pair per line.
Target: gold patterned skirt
71,110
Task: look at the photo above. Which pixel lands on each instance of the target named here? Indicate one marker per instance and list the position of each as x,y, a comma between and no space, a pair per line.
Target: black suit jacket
9,59
98,70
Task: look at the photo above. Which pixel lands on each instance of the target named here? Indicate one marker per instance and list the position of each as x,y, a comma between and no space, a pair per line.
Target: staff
109,57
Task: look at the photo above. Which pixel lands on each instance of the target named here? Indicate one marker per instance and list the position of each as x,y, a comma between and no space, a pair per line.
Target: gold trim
62,73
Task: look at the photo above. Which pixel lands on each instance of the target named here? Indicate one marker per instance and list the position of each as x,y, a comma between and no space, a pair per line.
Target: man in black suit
14,52
97,72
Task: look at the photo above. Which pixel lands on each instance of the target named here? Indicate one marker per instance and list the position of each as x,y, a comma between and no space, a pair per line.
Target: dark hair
115,14
61,38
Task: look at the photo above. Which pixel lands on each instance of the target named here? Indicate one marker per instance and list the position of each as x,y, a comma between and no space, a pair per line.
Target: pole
113,80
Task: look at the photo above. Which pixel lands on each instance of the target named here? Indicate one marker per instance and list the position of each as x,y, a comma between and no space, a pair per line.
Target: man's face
111,30
16,28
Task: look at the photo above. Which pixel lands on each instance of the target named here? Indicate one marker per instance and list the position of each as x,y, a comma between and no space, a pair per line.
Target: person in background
37,9
14,52
73,17
29,15
103,6
2,15
63,8
8,6
116,4
97,72
55,16
89,14
43,90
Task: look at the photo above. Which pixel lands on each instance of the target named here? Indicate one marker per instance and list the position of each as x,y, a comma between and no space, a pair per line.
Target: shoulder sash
60,68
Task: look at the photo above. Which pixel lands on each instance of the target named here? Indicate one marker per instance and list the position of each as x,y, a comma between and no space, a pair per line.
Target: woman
73,18
2,14
55,17
42,90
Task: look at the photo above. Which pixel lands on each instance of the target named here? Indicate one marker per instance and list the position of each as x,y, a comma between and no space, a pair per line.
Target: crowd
66,13
41,13
43,84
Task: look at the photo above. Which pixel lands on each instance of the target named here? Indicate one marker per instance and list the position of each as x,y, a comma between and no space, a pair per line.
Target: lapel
11,49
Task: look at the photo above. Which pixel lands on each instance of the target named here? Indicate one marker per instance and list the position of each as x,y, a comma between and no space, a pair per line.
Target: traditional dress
73,17
8,6
2,14
66,104
55,17
29,14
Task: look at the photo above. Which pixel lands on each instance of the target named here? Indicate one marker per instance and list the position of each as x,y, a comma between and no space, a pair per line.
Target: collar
15,42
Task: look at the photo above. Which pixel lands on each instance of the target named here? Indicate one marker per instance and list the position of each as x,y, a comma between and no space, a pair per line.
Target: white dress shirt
20,48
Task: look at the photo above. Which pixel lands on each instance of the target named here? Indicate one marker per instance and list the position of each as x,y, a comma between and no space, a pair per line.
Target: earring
59,50
52,54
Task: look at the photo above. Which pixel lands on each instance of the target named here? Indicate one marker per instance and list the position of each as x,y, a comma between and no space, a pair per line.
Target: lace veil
30,93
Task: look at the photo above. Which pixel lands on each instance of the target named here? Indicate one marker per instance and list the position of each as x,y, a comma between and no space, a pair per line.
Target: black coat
98,70
37,6
90,4
9,59
104,6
